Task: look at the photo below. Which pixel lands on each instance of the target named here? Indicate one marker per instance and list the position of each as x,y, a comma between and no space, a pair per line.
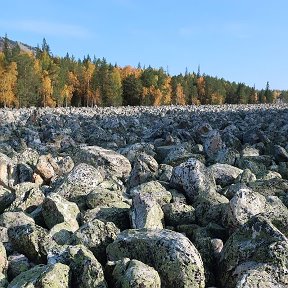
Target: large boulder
224,174
172,255
6,198
144,169
146,212
44,276
47,167
3,266
109,162
193,178
79,183
56,209
17,263
31,240
155,189
96,235
131,273
86,271
257,244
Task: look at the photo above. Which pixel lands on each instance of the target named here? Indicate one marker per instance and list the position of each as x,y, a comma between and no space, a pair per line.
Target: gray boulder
31,240
17,263
86,271
224,174
256,244
194,178
3,266
44,276
132,273
56,209
172,255
108,162
146,212
6,198
155,189
79,183
96,235
144,169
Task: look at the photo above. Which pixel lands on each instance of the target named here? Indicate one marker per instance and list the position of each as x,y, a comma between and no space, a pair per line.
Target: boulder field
148,197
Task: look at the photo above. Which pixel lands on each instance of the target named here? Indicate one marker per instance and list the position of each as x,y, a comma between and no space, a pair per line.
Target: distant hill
24,47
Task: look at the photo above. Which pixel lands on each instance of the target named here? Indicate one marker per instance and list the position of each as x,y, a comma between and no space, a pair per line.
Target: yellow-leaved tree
47,90
8,79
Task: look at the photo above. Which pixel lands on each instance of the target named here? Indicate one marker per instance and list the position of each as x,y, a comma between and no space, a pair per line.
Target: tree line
37,78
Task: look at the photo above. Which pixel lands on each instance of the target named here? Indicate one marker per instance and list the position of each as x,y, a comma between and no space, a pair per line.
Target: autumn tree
8,78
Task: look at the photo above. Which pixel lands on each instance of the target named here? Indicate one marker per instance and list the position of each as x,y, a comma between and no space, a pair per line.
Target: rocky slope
144,197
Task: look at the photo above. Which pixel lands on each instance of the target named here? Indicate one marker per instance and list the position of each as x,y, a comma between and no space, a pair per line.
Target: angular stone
171,254
56,209
44,276
146,212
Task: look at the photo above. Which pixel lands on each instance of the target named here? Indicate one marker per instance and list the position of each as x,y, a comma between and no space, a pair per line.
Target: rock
164,172
6,198
178,213
132,273
101,196
155,190
14,219
193,177
171,254
28,198
96,235
108,162
131,152
6,171
3,265
280,154
18,263
246,176
56,209
116,212
224,174
212,143
47,167
62,233
31,240
256,243
146,212
249,151
45,276
86,270
79,183
144,169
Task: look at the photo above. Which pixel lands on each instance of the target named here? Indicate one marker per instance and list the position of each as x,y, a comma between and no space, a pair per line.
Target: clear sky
239,40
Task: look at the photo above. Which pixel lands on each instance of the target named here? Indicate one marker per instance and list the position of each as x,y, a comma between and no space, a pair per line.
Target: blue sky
239,40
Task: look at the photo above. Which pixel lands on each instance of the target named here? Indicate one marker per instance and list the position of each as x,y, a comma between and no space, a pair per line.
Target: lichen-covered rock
172,255
86,271
245,204
116,212
14,219
17,263
155,189
132,273
79,183
178,213
164,172
212,143
96,235
107,161
144,169
31,240
56,209
28,198
62,233
224,174
193,177
6,198
146,212
101,196
3,259
45,276
257,242
6,170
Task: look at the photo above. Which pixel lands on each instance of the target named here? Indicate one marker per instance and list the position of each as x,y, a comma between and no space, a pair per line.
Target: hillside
23,47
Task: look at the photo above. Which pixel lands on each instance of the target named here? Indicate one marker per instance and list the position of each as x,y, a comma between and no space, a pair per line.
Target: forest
37,78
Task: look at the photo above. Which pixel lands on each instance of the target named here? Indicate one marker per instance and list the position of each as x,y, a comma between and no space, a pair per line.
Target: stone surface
172,255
